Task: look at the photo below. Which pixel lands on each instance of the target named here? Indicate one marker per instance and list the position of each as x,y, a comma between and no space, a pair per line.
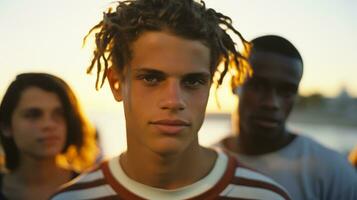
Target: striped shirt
228,179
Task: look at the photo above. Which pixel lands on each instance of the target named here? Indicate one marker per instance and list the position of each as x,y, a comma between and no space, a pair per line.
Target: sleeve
342,180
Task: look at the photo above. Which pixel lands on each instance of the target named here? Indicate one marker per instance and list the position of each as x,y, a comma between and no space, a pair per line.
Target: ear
115,84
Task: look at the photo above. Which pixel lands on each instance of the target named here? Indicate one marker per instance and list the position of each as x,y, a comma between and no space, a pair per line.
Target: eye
150,79
195,81
59,114
287,91
32,114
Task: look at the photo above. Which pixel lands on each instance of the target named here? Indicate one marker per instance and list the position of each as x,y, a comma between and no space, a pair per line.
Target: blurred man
306,168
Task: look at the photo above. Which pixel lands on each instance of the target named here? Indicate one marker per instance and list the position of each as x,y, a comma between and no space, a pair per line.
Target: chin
265,133
167,148
51,152
166,151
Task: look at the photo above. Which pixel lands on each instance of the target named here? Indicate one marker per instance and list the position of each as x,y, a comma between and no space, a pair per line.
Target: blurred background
46,36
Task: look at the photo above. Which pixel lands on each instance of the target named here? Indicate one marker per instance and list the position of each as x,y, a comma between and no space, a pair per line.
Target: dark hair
80,148
189,19
276,44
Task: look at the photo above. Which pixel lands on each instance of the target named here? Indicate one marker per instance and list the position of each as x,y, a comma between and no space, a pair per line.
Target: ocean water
111,128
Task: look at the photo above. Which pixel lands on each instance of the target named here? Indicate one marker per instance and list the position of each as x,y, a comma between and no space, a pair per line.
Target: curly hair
189,19
80,149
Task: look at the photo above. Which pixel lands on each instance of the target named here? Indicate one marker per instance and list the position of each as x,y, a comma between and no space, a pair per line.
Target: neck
168,171
34,179
254,144
37,171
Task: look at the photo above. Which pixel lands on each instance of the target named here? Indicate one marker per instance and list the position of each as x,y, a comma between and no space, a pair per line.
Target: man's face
268,96
165,91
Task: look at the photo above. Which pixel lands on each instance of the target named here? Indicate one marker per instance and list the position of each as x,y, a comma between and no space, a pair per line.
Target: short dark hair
276,44
80,148
189,19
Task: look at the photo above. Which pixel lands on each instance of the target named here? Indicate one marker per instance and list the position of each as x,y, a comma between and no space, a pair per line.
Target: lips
170,126
266,122
49,139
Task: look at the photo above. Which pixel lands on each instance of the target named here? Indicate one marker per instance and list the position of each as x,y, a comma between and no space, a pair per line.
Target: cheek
135,96
137,103
288,105
23,128
63,130
138,107
197,108
248,101
199,100
22,135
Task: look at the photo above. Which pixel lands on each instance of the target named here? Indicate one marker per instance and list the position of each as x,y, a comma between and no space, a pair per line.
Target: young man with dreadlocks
160,57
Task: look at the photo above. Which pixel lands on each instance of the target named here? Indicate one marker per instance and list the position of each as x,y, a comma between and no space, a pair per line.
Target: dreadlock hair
189,19
80,149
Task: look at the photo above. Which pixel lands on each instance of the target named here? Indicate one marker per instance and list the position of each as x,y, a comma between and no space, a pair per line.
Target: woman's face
38,125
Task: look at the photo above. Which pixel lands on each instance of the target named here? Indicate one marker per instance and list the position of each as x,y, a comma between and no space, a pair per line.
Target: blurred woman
46,139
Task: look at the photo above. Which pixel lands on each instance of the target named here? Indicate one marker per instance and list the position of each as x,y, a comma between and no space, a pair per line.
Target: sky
46,36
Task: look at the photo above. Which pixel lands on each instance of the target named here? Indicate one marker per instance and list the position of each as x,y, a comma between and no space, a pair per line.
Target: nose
49,122
172,96
270,99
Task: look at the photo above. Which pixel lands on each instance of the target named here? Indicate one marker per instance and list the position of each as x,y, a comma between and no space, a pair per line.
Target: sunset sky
46,35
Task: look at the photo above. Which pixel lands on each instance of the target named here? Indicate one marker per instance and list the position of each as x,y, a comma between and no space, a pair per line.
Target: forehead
160,48
275,67
39,98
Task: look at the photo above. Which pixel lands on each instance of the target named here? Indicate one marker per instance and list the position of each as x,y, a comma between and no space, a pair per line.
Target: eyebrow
34,108
285,82
160,73
150,71
30,109
198,75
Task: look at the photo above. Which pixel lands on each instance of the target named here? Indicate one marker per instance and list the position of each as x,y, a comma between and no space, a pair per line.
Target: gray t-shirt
308,170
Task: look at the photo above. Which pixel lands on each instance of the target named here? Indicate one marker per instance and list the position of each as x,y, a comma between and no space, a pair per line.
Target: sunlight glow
47,36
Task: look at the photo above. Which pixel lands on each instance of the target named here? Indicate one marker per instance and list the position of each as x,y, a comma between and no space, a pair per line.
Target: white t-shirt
308,170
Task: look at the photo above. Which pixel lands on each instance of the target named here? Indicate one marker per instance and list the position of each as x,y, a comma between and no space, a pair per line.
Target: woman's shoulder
1,186
1,180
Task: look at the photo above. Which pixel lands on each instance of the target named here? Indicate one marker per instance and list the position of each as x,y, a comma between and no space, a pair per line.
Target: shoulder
89,184
326,164
1,183
1,186
326,156
1,179
2,196
247,183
